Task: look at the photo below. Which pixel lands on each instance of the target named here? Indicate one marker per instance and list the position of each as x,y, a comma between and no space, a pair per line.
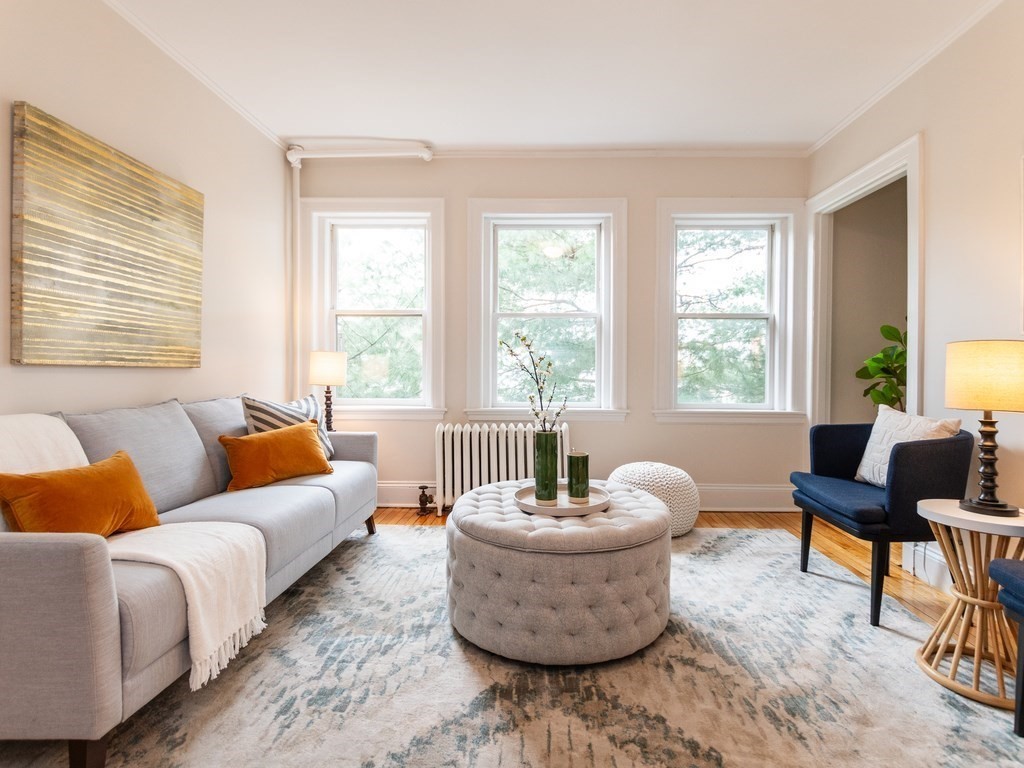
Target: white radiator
470,455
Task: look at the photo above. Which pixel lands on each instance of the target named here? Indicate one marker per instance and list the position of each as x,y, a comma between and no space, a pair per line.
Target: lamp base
999,508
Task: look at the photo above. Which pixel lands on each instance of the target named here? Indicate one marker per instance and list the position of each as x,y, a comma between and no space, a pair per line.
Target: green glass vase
545,467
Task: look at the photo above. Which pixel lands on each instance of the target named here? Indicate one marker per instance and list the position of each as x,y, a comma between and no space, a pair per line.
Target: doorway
900,163
869,289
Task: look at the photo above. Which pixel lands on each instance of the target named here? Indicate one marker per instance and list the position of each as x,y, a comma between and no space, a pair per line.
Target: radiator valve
424,500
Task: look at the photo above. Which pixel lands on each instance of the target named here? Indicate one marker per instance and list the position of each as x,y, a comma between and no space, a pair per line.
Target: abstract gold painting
106,256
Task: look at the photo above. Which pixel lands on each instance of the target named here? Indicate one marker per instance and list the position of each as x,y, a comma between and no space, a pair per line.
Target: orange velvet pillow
266,457
104,498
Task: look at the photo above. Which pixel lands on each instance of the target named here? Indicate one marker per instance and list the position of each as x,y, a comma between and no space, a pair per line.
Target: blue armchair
1009,574
921,469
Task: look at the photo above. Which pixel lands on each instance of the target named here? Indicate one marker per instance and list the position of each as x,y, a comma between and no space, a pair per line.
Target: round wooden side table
973,648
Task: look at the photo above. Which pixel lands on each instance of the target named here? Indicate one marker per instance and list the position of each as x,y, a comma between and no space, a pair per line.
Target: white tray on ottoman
598,501
558,590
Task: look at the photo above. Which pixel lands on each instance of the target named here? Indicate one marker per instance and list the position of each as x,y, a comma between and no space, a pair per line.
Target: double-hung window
725,330
379,264
552,271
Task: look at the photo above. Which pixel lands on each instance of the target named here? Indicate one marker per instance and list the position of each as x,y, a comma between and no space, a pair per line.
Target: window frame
485,215
783,363
320,216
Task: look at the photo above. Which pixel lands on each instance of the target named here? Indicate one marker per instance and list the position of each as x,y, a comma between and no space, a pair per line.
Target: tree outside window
548,288
380,278
723,315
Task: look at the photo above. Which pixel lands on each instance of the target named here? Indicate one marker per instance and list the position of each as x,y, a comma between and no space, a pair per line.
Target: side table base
973,649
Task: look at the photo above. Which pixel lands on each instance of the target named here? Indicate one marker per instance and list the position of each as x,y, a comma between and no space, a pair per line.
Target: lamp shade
328,369
985,375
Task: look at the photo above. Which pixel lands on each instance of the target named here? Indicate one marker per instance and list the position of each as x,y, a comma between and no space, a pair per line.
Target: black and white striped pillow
266,415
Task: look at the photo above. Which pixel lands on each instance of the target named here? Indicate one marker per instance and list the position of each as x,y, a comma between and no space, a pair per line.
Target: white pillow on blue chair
891,427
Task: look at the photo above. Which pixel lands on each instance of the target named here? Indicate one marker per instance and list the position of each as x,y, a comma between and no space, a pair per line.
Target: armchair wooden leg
88,754
371,525
879,563
805,539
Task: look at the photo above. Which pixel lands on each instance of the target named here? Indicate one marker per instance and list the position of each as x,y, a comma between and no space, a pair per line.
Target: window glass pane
721,270
385,356
721,361
380,267
571,343
547,269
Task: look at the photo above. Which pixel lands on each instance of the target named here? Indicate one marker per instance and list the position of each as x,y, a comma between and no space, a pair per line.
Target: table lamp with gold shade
328,369
986,376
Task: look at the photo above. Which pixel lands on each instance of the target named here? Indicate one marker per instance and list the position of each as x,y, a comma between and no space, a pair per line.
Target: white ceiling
746,75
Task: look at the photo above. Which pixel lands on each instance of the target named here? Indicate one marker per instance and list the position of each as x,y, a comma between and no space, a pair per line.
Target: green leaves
888,370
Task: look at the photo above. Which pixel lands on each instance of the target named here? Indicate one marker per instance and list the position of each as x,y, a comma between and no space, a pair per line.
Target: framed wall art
106,253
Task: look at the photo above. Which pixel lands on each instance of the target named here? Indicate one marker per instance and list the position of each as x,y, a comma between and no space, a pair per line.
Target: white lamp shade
985,375
328,369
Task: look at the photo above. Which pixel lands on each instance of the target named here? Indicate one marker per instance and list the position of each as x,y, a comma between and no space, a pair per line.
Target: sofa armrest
60,637
836,449
354,446
926,469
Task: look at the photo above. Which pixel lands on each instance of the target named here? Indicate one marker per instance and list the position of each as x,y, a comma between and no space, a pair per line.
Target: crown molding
571,153
893,84
198,74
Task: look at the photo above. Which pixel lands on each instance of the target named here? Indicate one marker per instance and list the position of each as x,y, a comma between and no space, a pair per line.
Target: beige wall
869,288
84,64
747,465
967,104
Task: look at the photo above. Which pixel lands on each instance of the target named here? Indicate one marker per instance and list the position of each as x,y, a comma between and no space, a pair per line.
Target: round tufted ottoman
558,590
670,484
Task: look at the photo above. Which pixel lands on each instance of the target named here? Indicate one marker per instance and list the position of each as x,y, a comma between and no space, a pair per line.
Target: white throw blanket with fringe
222,567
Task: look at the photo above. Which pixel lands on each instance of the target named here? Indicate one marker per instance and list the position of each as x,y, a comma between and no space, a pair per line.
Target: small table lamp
328,369
986,376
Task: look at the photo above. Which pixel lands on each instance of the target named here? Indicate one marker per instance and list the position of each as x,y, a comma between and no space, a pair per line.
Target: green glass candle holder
545,468
579,477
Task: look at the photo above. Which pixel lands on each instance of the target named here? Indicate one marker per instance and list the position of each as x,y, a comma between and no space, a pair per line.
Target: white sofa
86,641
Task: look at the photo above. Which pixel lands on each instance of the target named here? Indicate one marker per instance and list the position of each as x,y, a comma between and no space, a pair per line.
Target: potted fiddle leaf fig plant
887,370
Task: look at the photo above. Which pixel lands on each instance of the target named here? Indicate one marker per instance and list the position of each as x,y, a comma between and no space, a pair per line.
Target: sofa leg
879,563
88,754
805,539
371,525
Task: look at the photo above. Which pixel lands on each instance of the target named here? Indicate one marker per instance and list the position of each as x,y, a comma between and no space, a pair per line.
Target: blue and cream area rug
760,666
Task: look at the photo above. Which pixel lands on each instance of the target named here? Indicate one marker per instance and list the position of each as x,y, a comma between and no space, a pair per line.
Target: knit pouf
670,484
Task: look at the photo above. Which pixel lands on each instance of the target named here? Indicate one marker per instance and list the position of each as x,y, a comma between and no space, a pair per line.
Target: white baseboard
402,493
713,498
924,559
746,498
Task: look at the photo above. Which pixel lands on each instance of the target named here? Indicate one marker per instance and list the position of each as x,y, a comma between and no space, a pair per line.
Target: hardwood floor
922,599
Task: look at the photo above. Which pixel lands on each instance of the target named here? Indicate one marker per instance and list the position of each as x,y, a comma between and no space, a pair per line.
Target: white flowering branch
538,368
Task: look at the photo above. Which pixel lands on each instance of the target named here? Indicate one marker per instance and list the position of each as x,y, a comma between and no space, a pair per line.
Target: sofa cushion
101,498
213,418
163,444
260,459
353,484
291,519
265,415
35,442
151,604
860,502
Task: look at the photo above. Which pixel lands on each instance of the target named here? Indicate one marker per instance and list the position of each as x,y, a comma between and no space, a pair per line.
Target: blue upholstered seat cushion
1009,574
860,502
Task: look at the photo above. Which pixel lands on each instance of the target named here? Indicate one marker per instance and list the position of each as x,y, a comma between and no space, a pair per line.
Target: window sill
523,414
343,412
725,416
